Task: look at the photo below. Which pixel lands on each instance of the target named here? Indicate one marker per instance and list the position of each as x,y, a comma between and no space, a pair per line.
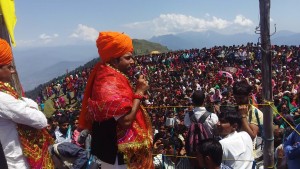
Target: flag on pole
7,9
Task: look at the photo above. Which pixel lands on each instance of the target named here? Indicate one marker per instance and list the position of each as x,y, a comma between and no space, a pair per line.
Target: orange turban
113,45
5,53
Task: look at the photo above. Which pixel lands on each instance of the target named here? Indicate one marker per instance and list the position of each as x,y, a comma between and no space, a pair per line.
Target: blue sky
77,22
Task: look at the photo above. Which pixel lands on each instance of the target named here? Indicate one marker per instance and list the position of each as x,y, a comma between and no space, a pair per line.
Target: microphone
137,75
83,135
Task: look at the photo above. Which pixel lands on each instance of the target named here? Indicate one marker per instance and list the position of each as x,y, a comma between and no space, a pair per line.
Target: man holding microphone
121,129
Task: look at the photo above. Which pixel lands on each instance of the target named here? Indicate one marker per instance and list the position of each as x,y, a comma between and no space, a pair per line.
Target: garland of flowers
34,142
8,89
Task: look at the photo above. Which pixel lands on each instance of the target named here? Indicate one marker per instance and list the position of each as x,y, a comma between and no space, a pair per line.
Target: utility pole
268,156
15,82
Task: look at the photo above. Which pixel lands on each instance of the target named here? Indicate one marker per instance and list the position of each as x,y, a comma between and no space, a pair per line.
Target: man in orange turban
5,53
121,129
15,111
6,61
113,45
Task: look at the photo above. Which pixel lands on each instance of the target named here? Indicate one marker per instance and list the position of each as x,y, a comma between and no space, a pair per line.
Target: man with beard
121,129
61,133
64,153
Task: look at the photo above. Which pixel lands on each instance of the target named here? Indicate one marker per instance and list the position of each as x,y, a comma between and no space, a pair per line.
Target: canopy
155,52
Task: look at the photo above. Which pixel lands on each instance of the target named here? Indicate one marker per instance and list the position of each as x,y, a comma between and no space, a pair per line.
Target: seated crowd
221,87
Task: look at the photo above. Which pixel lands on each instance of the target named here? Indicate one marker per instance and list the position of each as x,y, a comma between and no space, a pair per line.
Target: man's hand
182,152
243,110
158,147
142,85
156,144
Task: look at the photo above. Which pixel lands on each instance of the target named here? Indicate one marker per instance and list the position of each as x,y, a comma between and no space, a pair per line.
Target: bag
196,133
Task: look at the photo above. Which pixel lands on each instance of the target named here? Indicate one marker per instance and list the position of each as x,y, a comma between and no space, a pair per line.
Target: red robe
110,94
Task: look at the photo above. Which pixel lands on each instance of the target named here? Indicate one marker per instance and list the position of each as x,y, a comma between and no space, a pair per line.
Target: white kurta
238,150
12,111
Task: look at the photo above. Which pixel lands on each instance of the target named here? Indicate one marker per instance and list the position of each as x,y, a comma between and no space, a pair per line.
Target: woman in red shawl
121,128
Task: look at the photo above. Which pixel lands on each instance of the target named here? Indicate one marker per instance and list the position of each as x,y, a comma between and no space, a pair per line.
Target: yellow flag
7,9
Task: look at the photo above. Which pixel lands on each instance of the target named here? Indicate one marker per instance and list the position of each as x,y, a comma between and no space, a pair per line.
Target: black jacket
104,141
3,163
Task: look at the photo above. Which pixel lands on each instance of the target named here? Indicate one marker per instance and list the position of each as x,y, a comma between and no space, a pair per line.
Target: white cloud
177,23
41,40
47,38
84,32
25,43
243,21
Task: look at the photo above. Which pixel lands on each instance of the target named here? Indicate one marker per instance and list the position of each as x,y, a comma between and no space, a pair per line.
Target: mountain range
38,65
188,40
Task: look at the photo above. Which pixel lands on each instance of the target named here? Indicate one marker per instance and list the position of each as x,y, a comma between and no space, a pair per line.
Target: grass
49,108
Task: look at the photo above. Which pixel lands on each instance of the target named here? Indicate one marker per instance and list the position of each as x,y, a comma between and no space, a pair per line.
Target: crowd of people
65,91
173,79
194,100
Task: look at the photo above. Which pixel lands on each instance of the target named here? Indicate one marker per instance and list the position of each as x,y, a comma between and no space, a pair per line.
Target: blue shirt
292,149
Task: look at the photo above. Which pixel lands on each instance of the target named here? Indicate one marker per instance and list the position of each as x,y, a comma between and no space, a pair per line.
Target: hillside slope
141,47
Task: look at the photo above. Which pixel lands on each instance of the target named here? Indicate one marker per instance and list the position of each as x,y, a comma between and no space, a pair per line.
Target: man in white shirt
13,110
237,146
198,98
63,131
252,120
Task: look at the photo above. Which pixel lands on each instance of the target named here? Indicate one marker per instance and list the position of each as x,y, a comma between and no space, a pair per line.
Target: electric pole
268,151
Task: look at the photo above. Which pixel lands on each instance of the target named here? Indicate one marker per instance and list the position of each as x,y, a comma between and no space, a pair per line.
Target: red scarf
108,94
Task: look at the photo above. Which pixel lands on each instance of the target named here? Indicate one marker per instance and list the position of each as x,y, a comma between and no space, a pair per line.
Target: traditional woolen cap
113,45
5,53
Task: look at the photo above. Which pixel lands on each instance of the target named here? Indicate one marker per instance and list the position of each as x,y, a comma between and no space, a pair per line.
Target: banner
7,9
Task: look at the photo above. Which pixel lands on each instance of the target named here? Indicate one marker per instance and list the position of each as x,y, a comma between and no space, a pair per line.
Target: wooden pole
15,82
268,150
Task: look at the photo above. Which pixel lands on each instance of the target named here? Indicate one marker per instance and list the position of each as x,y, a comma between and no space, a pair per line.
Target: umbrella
227,74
